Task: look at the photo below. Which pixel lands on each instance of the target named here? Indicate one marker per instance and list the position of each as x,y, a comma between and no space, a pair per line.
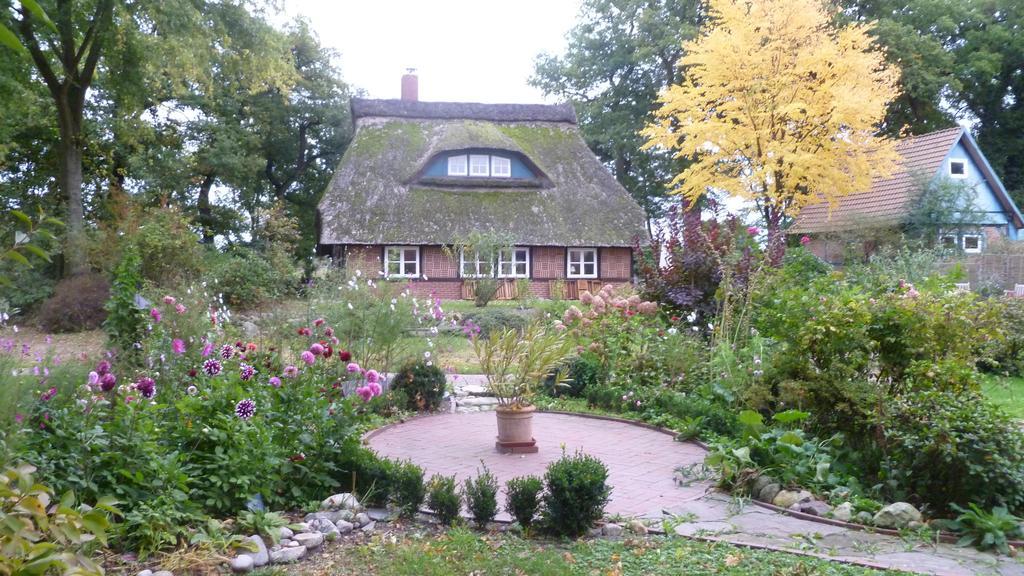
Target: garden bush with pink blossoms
193,422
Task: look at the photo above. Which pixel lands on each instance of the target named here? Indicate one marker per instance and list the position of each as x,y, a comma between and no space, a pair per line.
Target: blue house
950,154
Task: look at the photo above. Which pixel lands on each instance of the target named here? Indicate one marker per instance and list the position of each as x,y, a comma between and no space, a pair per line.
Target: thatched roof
891,200
377,195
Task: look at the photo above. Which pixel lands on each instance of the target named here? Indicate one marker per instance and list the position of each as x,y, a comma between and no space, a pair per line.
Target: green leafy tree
620,55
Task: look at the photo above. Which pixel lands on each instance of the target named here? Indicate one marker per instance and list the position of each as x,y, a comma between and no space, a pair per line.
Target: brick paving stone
640,461
641,465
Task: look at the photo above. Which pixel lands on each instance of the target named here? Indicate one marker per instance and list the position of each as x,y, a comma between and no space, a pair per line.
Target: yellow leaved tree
779,107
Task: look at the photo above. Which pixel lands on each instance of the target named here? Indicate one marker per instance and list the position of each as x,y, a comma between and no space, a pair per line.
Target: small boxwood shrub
76,305
577,492
490,319
407,489
482,497
949,448
422,384
583,372
442,498
372,476
522,498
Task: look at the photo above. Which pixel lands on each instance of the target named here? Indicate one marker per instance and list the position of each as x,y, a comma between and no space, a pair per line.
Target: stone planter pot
515,430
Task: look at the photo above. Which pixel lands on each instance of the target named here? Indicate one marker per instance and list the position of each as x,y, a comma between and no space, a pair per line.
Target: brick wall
441,270
616,263
548,262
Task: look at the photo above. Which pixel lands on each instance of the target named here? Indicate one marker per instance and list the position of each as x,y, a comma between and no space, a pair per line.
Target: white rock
286,532
260,557
322,525
290,544
146,572
612,530
163,573
843,512
287,555
342,501
479,401
242,563
362,519
897,515
476,390
344,527
369,526
310,540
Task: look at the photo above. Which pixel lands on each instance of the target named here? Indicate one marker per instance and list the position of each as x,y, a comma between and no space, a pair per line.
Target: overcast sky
463,50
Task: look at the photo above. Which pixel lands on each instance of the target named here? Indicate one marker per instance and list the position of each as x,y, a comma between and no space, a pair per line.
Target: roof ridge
390,108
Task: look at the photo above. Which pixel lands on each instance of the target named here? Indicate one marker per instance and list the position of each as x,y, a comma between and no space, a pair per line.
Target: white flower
672,331
711,326
695,329
691,317
429,363
350,306
427,354
359,273
433,330
394,300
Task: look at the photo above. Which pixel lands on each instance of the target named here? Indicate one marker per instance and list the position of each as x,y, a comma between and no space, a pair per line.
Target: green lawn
461,551
1007,392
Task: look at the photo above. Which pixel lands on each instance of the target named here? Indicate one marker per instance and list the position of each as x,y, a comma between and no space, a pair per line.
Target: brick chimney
410,86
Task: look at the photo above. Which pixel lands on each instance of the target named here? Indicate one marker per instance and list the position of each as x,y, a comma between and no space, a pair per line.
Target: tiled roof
890,199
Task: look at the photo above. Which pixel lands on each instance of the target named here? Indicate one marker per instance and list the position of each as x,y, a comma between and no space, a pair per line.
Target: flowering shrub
194,422
630,340
375,321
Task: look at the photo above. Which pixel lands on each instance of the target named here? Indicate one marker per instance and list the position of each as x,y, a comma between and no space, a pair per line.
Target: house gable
924,159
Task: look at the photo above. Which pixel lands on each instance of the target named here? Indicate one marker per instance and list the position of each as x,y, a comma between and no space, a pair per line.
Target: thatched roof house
422,175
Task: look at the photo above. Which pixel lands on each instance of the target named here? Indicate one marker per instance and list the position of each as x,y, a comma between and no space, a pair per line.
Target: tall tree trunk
77,66
70,181
205,211
776,242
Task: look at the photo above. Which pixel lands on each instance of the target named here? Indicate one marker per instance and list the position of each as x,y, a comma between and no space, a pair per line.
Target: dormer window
501,167
457,166
479,166
957,168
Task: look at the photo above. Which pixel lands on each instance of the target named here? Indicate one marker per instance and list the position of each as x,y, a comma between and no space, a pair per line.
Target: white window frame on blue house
975,250
962,162
399,255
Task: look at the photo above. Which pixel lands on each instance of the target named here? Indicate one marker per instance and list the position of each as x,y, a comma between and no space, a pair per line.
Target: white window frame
579,258
453,168
503,261
476,262
505,163
401,261
949,168
981,243
481,161
942,241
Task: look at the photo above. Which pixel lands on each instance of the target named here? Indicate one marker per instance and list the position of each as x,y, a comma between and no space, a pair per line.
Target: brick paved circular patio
641,461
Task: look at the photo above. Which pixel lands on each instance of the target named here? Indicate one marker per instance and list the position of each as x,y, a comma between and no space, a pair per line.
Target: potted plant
515,363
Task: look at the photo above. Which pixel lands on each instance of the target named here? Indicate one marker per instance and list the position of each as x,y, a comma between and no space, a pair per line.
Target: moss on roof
375,198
